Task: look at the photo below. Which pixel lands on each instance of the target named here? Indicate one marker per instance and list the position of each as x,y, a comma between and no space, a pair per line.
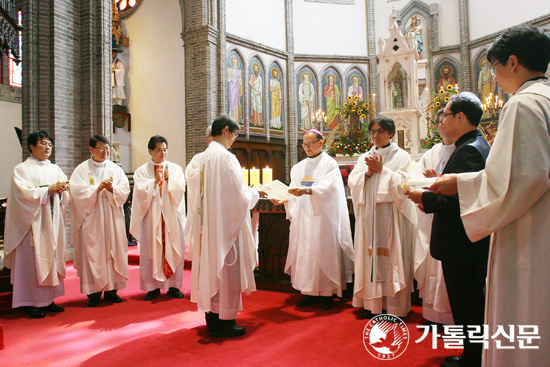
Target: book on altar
276,190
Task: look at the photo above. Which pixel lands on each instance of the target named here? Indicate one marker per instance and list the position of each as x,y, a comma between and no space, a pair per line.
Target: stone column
201,39
291,136
66,74
463,20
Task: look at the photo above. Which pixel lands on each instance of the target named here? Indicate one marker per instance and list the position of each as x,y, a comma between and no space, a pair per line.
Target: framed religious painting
307,106
332,98
256,79
446,73
276,119
235,88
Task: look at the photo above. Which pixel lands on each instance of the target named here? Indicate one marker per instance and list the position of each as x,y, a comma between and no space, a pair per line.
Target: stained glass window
15,70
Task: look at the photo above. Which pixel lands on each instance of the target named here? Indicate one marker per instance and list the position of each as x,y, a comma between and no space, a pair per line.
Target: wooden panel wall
261,154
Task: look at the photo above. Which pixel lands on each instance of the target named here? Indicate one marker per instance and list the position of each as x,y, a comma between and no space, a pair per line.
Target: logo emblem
386,337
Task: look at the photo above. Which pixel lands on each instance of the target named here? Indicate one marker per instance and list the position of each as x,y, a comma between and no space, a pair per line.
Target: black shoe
212,321
367,314
176,293
229,330
326,303
36,313
152,294
452,359
111,296
93,299
450,364
307,301
54,308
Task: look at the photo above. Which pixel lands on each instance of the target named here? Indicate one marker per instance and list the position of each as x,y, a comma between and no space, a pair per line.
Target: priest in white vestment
384,227
158,217
34,236
99,189
427,270
511,198
192,178
223,252
320,251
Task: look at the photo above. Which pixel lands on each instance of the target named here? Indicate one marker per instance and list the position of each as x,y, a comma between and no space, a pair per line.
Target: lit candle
245,176
267,175
254,177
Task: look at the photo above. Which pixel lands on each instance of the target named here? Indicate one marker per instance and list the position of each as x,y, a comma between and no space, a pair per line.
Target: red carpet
169,332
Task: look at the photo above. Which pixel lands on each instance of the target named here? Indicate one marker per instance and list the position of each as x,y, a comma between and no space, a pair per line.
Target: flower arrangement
355,105
346,145
438,100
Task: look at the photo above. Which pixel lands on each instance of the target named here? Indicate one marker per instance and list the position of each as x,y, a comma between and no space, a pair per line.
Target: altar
273,234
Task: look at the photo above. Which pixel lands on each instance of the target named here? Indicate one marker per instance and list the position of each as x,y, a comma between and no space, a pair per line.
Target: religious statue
396,92
306,96
276,100
416,33
117,80
235,86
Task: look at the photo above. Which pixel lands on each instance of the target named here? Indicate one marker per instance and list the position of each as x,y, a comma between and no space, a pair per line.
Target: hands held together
58,187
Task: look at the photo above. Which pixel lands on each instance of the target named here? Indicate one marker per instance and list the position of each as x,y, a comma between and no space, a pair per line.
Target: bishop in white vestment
511,198
34,237
384,229
158,217
427,270
320,253
223,252
99,189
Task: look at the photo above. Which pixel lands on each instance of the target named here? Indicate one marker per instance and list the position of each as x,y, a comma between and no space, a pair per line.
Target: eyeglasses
379,132
444,115
46,144
308,145
492,68
103,149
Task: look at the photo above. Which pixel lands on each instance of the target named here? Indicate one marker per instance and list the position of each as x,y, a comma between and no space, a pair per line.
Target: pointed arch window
15,69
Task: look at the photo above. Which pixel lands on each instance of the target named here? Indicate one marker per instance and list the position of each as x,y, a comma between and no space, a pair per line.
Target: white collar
99,164
40,163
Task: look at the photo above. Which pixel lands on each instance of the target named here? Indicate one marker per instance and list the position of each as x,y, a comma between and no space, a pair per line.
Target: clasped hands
374,165
106,185
58,187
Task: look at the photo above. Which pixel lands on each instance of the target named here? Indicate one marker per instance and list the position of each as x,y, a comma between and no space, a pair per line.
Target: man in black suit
464,263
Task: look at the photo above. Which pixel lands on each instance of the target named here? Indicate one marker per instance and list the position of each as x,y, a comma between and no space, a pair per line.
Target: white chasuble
192,177
164,252
36,220
511,198
384,233
222,224
320,253
427,270
98,229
